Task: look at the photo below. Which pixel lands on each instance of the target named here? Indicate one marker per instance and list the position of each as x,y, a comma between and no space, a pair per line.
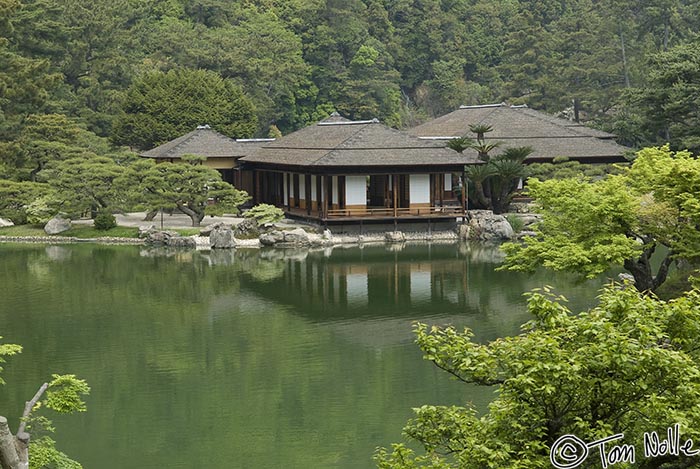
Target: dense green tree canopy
629,365
296,61
670,102
159,107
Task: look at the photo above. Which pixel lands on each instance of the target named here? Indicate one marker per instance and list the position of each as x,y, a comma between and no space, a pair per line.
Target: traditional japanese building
518,126
339,170
221,152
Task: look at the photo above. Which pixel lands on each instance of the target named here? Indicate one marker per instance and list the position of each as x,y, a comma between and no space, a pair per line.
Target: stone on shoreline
182,242
247,229
297,236
57,225
484,225
160,238
271,238
144,231
222,238
207,230
394,237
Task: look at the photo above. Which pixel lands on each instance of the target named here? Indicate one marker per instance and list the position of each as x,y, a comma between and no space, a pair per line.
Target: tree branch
29,406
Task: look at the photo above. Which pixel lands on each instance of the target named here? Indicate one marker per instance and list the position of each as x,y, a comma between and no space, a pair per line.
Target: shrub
265,213
39,212
105,221
18,217
516,222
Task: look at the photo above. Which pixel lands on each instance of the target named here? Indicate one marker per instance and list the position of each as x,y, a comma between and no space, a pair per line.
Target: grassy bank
86,232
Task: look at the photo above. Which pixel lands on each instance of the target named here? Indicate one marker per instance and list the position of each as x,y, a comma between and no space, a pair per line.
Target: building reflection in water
376,281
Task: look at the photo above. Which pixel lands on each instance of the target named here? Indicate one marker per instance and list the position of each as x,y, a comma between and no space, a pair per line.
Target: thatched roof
517,126
206,142
339,142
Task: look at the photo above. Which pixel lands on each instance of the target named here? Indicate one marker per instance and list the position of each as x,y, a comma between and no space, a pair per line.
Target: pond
248,358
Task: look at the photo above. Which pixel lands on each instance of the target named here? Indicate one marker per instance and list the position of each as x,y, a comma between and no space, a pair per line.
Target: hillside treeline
403,61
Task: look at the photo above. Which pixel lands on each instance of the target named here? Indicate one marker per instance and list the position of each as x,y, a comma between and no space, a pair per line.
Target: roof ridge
185,138
356,133
196,133
481,106
549,119
331,150
495,110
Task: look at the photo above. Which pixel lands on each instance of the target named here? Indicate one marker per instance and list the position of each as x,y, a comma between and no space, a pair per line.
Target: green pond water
248,359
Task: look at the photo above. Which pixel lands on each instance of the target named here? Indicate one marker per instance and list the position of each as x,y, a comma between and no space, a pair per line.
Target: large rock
160,238
394,237
271,238
247,229
207,230
144,231
486,226
525,234
528,219
4,223
57,225
297,237
222,238
463,231
182,242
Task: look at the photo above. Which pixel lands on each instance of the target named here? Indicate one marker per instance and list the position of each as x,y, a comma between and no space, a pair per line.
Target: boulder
486,226
463,231
247,229
160,238
625,278
297,236
394,237
144,231
529,219
520,207
4,223
182,242
271,238
222,238
525,234
57,225
207,230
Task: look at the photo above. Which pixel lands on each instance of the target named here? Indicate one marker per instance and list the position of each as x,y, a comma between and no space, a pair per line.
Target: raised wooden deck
371,214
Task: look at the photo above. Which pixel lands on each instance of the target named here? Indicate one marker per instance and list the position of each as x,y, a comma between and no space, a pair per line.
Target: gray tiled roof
516,126
339,142
204,142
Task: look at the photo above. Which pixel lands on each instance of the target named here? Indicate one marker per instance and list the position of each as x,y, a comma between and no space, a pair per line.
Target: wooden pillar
324,212
289,183
465,192
256,191
319,195
441,188
395,190
307,192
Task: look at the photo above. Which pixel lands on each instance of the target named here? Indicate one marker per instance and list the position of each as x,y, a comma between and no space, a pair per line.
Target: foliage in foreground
63,394
629,365
588,227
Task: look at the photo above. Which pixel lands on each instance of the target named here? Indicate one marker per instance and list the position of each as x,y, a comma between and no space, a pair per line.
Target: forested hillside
612,62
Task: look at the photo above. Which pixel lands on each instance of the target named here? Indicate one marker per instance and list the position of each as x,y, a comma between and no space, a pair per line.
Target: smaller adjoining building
519,126
221,152
338,171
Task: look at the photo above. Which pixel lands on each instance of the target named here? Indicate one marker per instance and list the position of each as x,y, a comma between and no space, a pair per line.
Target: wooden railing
400,212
